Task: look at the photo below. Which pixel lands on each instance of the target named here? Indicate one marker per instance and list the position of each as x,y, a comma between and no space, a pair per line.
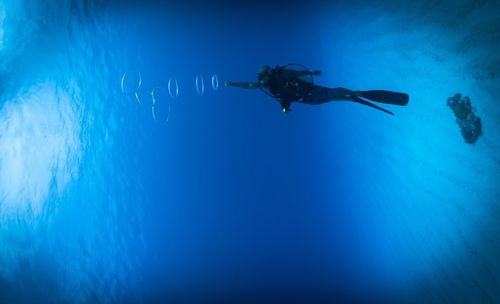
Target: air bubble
160,108
200,85
130,83
173,87
215,82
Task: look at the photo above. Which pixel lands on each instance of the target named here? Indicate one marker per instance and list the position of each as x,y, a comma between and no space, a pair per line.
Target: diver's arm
243,85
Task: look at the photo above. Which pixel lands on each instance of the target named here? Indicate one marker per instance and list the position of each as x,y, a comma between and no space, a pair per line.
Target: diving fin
366,103
389,97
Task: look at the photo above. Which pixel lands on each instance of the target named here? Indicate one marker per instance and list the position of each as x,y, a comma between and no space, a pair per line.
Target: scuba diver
288,85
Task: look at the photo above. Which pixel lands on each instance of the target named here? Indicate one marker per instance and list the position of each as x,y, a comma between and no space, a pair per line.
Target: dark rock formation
468,122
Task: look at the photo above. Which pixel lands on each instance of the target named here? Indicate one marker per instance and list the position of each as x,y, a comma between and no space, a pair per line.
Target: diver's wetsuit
290,89
288,86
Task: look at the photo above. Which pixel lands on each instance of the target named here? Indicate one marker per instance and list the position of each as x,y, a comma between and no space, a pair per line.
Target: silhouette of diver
288,85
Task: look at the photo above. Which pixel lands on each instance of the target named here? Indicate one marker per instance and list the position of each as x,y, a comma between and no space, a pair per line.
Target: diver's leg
319,95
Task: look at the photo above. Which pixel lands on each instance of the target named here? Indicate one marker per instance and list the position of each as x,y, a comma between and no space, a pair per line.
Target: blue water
222,197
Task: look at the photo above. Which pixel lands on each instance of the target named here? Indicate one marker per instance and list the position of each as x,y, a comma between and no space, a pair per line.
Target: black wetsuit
287,87
295,89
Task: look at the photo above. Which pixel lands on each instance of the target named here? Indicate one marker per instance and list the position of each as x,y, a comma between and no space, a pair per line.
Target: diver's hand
286,110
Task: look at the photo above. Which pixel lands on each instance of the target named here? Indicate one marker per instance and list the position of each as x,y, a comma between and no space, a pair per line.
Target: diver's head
264,75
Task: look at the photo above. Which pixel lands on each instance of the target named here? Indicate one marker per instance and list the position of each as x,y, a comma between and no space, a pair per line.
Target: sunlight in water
2,24
39,149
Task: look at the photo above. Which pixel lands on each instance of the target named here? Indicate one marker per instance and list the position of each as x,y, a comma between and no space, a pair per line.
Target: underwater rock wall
435,205
451,210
